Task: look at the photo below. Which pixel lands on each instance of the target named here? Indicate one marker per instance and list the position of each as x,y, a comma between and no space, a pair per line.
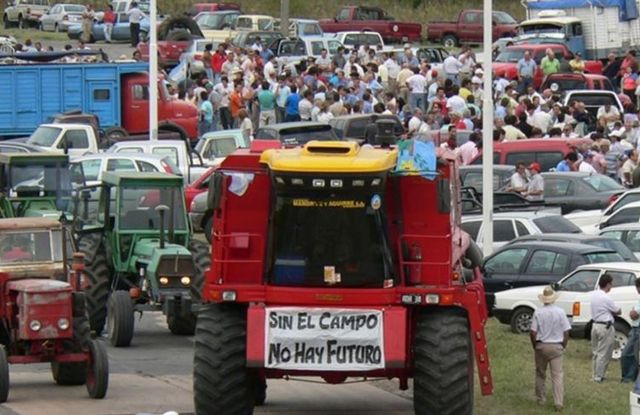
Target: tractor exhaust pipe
162,210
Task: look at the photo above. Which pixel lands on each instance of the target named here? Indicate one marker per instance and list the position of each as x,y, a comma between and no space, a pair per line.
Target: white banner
323,339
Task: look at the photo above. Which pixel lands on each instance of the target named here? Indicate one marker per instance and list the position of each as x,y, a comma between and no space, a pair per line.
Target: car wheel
56,28
620,338
7,23
521,320
20,22
449,41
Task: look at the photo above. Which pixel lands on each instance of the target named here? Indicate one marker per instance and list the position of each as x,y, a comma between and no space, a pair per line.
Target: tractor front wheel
179,324
74,373
201,253
222,384
98,371
120,319
443,366
4,375
98,280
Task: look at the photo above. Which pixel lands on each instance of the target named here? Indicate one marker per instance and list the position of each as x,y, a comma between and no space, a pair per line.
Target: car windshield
601,183
222,147
294,136
336,239
74,8
29,246
503,18
309,29
510,55
555,224
594,99
210,21
138,208
598,257
44,136
569,84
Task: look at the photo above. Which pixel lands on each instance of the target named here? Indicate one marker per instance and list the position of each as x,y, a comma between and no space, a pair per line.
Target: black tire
260,391
222,384
181,325
474,254
443,365
98,372
4,375
621,337
56,28
208,228
521,320
449,41
74,373
21,23
120,318
7,23
98,276
201,253
113,135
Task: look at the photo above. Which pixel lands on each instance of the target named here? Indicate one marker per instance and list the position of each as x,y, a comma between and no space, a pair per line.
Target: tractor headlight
185,280
35,325
63,324
164,280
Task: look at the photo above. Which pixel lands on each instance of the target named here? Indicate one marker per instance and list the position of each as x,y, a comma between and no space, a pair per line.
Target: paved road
154,376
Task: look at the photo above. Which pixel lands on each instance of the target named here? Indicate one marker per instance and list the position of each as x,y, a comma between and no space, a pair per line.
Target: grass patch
513,370
36,35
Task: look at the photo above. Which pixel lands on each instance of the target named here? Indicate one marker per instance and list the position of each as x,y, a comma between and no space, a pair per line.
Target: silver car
95,165
60,16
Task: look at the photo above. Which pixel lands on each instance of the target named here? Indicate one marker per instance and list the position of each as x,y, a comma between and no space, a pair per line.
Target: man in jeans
603,310
629,358
549,336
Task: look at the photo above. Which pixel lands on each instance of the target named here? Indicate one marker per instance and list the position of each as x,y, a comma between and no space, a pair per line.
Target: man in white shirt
455,102
607,115
535,187
451,67
415,123
603,310
549,335
135,15
519,182
417,84
540,119
324,62
586,165
469,150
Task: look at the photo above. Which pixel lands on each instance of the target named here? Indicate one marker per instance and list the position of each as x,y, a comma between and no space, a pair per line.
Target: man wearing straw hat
549,336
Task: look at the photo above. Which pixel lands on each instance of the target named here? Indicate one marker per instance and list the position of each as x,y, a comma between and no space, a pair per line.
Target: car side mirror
603,224
555,286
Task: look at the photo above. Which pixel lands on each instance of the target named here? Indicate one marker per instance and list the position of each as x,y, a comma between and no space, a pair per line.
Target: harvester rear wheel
98,277
120,315
74,373
443,366
4,375
222,384
98,373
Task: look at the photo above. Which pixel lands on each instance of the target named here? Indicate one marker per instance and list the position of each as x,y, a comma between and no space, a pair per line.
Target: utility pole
153,70
487,133
284,17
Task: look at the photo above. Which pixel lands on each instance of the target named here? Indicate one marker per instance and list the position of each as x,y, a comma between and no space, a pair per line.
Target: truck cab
72,139
566,30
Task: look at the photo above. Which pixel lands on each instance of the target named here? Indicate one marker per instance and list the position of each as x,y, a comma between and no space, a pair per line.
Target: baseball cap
535,166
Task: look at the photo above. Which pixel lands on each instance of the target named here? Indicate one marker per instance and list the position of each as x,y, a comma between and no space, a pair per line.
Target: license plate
325,339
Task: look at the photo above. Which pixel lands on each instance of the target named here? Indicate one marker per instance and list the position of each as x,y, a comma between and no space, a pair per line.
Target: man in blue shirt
292,113
526,69
568,163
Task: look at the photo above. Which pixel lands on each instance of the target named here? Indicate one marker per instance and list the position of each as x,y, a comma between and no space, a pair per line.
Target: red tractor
336,261
42,309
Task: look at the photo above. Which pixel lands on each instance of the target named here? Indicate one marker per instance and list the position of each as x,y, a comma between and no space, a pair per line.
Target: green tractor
37,185
143,257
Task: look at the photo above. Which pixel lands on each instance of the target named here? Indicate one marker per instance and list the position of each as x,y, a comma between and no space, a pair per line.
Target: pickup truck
468,28
174,36
372,19
116,92
564,82
292,51
506,62
73,139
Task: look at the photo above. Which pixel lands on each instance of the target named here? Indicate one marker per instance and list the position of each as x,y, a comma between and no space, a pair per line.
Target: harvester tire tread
443,365
74,373
120,318
222,384
201,253
99,277
4,375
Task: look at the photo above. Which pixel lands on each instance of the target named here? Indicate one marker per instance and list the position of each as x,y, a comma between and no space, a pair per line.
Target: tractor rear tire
98,373
74,373
4,375
222,384
120,317
443,366
99,277
181,325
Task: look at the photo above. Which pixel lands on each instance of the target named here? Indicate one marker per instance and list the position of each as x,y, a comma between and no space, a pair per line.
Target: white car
95,165
515,307
59,17
588,220
510,225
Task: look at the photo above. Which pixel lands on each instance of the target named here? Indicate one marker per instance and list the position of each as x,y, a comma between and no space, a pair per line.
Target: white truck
74,139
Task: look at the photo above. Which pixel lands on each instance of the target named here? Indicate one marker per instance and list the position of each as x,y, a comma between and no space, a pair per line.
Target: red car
174,36
507,61
199,186
372,19
468,28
